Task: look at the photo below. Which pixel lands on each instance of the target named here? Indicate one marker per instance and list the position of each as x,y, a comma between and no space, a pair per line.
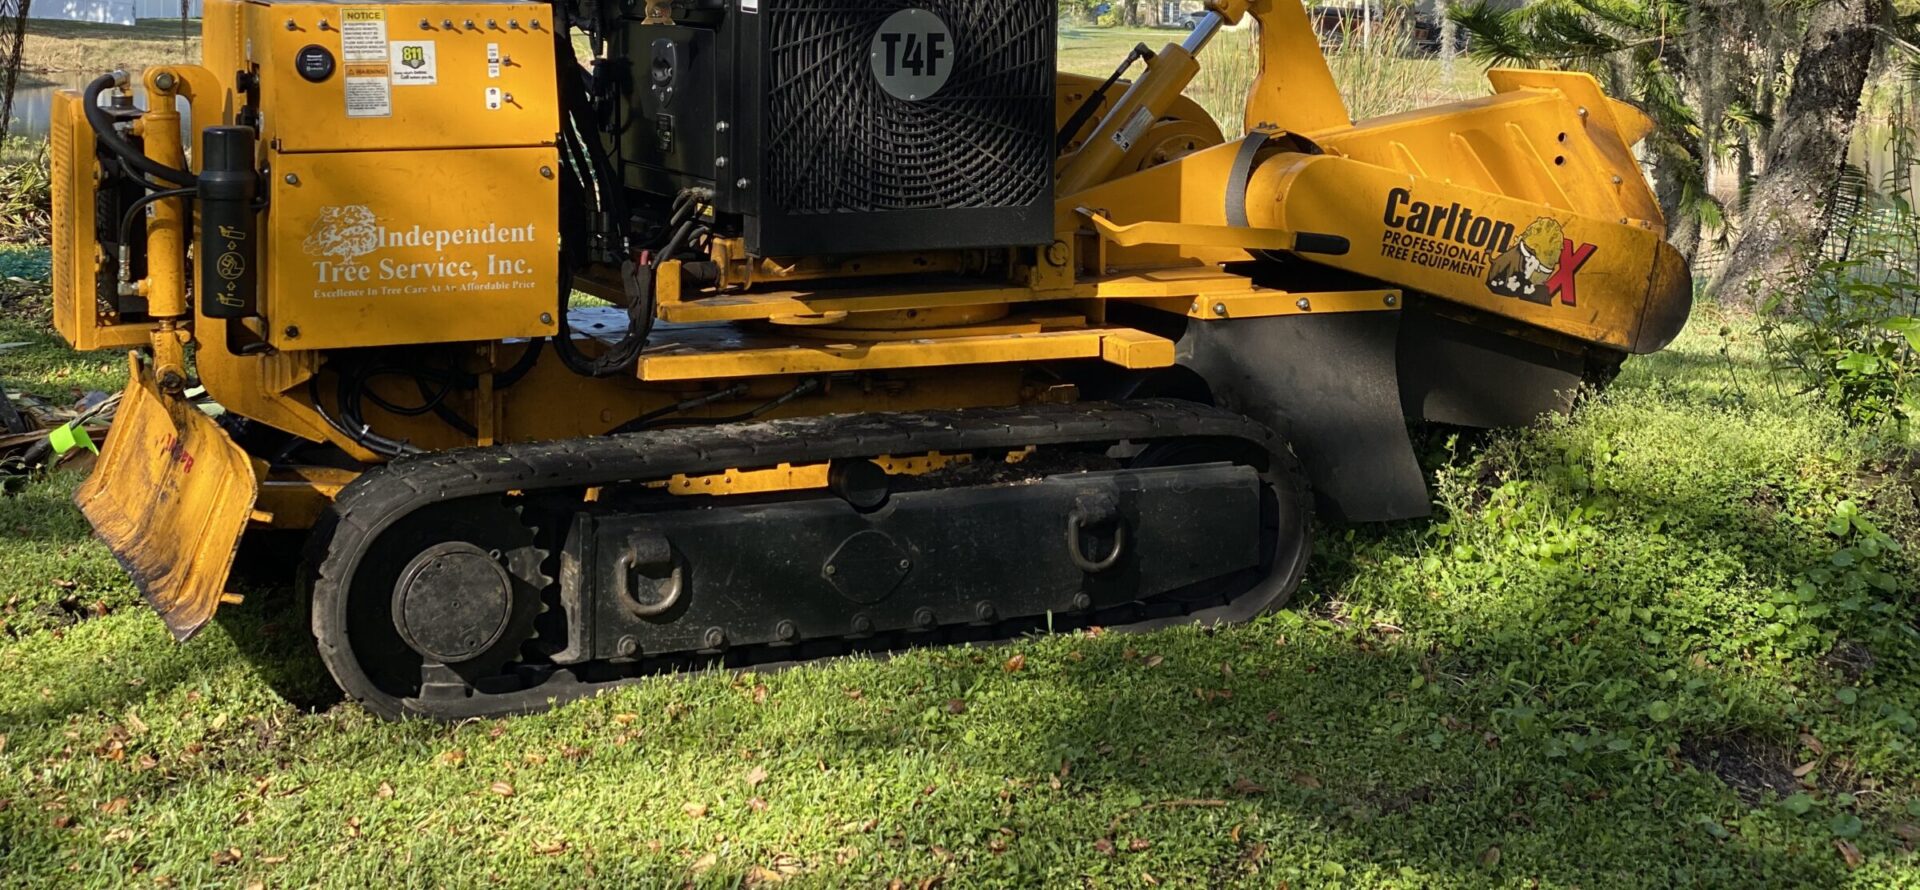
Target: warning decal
363,34
363,50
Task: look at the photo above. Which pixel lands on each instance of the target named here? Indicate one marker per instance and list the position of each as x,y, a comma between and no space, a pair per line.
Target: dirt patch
1850,659
1752,766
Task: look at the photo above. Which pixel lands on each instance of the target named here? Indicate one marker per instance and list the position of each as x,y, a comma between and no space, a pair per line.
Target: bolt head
546,172
1220,309
785,630
716,637
743,183
832,570
546,318
628,647
1304,304
291,179
862,624
292,332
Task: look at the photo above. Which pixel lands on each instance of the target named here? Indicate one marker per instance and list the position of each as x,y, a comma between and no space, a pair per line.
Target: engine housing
834,128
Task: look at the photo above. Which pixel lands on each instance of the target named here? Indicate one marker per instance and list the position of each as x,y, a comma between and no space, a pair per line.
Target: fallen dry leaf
453,757
1490,858
625,719
273,860
1104,846
705,862
229,856
1812,744
1014,664
114,807
1149,880
1801,771
144,762
1849,853
755,776
1244,785
956,706
1306,780
761,874
501,788
135,723
256,884
384,792
757,804
550,848
1138,844
1155,660
695,810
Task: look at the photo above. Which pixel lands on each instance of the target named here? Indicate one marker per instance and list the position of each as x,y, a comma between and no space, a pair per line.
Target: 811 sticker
414,63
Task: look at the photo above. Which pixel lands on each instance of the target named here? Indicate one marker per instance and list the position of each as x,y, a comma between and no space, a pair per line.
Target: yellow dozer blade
170,496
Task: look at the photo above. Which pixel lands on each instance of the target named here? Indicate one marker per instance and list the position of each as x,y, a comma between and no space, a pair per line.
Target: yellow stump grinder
781,329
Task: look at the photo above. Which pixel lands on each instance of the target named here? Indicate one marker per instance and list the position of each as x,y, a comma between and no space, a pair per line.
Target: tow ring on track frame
1090,512
645,553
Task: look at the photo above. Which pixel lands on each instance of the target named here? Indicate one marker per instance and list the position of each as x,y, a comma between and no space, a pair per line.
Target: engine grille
836,142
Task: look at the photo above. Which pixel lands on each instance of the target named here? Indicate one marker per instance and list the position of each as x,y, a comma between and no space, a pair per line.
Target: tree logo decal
347,233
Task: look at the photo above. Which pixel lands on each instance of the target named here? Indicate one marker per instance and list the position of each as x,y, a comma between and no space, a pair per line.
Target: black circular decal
314,63
913,54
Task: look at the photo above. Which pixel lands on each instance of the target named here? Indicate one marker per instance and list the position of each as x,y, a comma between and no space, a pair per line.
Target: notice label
493,60
363,34
749,5
369,94
413,63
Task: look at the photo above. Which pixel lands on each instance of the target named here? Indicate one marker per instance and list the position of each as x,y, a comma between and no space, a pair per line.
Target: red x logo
1563,284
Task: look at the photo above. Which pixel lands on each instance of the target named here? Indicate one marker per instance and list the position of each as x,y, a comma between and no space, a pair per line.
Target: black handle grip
1320,242
229,283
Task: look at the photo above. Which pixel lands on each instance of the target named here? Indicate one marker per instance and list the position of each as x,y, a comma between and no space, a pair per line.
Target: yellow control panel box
342,77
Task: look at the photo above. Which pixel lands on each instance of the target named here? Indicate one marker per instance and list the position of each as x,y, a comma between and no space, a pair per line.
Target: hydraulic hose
103,128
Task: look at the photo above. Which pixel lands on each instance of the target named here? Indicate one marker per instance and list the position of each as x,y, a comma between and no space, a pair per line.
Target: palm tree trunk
1790,207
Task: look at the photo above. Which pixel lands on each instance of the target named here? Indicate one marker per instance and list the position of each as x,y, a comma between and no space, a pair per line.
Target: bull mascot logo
1541,265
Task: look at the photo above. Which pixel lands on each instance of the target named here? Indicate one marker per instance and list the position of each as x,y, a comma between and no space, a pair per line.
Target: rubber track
378,498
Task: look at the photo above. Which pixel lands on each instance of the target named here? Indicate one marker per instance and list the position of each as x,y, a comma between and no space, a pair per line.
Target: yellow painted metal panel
170,496
382,248
687,359
77,314
407,75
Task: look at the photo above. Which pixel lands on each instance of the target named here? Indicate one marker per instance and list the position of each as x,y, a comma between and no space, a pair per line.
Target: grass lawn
57,51
1666,642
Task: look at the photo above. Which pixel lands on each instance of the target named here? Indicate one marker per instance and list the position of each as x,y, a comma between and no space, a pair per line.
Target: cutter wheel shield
489,581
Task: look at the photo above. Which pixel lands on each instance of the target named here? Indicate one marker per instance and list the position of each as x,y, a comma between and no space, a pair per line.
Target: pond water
33,105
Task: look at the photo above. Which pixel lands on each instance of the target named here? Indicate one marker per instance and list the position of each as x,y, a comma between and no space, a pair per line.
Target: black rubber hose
521,368
103,128
140,203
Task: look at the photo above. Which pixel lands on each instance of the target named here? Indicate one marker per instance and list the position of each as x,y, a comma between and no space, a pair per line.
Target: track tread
381,496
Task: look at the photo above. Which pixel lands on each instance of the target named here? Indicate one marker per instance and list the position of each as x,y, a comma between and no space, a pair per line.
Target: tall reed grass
26,191
1377,75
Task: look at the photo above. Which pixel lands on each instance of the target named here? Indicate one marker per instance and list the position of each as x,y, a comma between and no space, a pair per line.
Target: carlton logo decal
1539,265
